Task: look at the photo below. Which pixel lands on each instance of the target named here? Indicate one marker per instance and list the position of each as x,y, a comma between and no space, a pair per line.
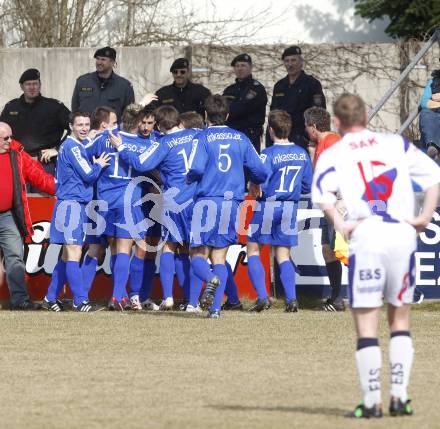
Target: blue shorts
214,222
274,224
95,230
176,227
117,225
67,224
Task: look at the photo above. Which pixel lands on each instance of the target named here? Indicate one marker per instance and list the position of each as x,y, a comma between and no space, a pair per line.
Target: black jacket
247,105
189,98
38,125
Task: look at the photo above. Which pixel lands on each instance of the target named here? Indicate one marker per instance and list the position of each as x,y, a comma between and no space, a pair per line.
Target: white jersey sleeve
325,181
422,169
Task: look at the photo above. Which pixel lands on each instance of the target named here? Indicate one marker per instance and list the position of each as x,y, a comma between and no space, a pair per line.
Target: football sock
112,263
401,359
369,362
287,276
257,275
334,272
195,288
201,268
120,275
88,269
147,282
75,280
182,264
57,282
221,272
231,289
136,275
166,272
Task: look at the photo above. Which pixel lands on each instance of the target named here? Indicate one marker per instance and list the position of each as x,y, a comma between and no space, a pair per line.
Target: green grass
173,370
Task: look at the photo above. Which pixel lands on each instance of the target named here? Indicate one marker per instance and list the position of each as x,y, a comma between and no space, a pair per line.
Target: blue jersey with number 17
113,182
218,165
289,171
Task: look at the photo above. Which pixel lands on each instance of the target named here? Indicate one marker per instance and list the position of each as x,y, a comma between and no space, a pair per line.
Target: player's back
289,172
175,166
219,161
373,173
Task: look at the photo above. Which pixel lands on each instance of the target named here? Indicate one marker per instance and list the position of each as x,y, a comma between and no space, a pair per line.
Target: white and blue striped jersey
221,153
74,174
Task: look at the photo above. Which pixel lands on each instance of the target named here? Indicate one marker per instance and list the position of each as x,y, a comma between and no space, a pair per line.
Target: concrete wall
367,69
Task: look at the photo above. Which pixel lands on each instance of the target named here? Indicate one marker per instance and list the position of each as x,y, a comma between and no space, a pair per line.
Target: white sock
369,362
401,359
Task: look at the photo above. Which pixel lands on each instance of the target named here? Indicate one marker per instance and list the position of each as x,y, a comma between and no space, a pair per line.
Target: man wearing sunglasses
183,94
17,169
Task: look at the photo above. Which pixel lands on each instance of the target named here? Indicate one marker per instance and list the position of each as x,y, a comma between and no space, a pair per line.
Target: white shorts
381,264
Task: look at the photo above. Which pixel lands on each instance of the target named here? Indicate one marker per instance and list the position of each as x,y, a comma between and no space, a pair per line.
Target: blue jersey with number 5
289,172
221,153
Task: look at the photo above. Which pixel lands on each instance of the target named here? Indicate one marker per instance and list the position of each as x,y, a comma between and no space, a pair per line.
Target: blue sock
257,275
182,271
201,268
287,276
147,282
58,280
112,263
231,290
88,269
136,275
120,275
166,272
221,272
75,280
195,288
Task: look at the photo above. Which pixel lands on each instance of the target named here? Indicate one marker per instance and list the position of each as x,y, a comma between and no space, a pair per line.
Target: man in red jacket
17,168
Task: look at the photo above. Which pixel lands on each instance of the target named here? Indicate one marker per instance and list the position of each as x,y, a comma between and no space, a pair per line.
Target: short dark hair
77,114
281,123
350,110
100,114
131,116
167,117
191,120
217,109
318,117
150,110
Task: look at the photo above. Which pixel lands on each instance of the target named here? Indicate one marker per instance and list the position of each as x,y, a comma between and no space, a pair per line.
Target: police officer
103,87
183,94
247,101
295,93
37,122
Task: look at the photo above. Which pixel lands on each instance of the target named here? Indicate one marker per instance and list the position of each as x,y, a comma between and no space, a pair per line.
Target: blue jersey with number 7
289,171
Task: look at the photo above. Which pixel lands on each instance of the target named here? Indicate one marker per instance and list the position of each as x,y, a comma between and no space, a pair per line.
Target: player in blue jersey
290,174
102,118
218,166
172,157
124,217
74,189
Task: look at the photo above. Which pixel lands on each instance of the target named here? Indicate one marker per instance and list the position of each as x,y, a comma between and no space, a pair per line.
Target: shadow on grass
325,411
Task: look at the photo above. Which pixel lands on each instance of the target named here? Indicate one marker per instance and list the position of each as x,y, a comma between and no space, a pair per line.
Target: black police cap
180,63
29,74
106,52
243,58
291,50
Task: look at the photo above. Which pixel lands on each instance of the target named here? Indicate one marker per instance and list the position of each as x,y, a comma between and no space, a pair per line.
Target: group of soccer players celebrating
177,182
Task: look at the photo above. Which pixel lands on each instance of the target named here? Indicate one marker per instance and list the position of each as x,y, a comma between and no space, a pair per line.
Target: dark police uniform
305,92
38,125
91,92
187,99
247,108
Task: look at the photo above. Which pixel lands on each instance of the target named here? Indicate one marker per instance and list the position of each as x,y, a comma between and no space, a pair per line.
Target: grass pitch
175,370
